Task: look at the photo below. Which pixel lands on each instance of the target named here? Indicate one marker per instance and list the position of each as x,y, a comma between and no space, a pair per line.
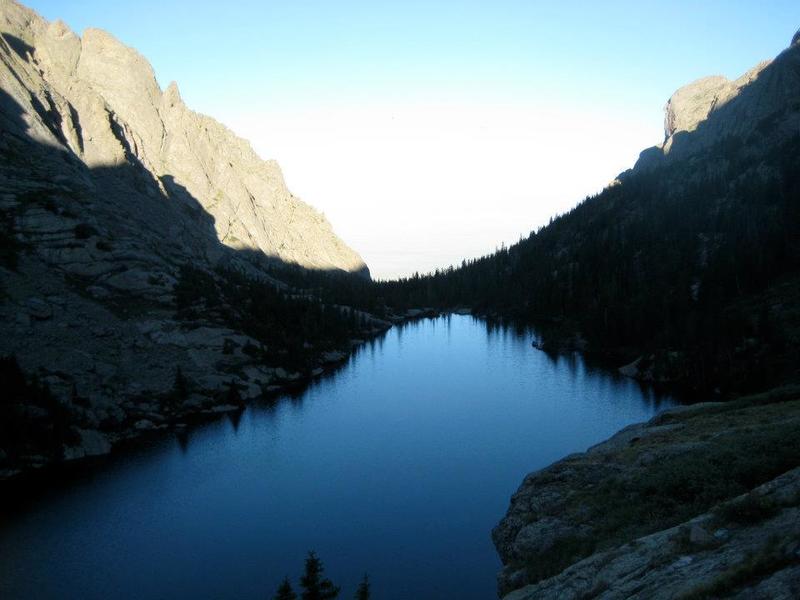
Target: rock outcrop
100,100
681,506
714,109
130,230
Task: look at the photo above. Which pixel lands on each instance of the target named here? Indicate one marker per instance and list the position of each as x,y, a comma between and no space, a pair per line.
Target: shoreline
98,444
651,509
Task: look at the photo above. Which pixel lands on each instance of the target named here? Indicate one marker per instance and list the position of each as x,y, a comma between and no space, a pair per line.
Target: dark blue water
399,466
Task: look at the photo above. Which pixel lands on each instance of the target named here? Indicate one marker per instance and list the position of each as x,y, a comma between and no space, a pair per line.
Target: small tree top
362,593
315,587
285,591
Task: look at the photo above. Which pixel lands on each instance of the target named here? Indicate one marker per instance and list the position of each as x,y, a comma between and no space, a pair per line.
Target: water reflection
399,465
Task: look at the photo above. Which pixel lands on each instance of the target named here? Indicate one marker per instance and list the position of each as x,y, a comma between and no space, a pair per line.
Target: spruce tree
180,387
362,593
315,587
285,591
233,397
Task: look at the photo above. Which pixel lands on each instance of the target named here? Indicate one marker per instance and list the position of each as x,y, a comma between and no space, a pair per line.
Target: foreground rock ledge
701,501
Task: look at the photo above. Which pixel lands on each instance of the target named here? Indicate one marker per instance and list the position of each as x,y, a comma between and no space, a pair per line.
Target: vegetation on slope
652,478
695,261
293,325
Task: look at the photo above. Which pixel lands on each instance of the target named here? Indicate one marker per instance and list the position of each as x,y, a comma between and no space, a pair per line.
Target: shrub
749,510
84,231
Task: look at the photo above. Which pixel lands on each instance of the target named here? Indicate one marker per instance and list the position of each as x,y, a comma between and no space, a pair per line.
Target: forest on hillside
693,265
697,261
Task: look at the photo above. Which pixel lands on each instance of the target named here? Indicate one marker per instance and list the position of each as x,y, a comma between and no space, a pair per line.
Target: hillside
686,267
151,264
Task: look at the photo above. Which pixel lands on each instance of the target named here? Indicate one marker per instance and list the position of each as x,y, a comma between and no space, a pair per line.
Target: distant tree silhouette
19,434
180,388
362,593
233,396
285,591
698,275
315,587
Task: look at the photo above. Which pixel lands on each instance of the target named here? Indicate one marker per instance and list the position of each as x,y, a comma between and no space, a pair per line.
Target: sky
430,132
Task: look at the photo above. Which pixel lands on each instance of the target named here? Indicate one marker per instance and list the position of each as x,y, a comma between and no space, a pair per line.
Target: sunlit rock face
716,110
100,99
691,104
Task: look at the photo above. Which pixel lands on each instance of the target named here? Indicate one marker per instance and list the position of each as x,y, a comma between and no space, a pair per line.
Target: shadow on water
124,193
579,362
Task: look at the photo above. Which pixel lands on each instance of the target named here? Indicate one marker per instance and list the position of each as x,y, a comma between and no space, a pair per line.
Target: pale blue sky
637,51
280,72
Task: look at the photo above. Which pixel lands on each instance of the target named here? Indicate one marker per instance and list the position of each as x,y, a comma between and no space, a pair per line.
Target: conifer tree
362,593
285,591
315,587
180,388
233,397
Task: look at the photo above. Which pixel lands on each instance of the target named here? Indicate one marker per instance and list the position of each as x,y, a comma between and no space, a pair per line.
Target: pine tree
233,397
315,587
180,388
285,591
362,593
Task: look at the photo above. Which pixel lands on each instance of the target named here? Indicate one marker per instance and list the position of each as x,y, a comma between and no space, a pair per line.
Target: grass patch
749,510
563,553
682,487
676,489
770,559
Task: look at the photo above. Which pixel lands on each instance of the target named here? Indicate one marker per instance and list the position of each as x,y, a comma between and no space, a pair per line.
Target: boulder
93,443
699,536
38,309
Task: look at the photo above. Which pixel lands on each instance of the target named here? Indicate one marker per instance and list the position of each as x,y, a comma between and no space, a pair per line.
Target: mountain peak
172,95
691,104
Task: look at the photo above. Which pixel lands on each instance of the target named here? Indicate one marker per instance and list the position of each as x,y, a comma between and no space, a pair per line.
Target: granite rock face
716,110
100,100
109,187
603,523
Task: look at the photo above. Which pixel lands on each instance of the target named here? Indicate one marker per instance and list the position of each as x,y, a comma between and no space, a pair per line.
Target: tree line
315,586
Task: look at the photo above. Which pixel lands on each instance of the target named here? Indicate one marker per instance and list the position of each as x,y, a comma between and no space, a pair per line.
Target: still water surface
399,465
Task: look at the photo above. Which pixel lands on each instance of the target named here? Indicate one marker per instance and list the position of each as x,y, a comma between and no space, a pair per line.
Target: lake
397,465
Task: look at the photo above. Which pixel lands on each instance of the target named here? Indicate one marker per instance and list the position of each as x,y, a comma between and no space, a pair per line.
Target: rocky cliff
714,109
143,249
700,502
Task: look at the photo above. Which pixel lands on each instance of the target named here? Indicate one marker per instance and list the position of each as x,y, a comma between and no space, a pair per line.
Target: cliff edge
701,501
